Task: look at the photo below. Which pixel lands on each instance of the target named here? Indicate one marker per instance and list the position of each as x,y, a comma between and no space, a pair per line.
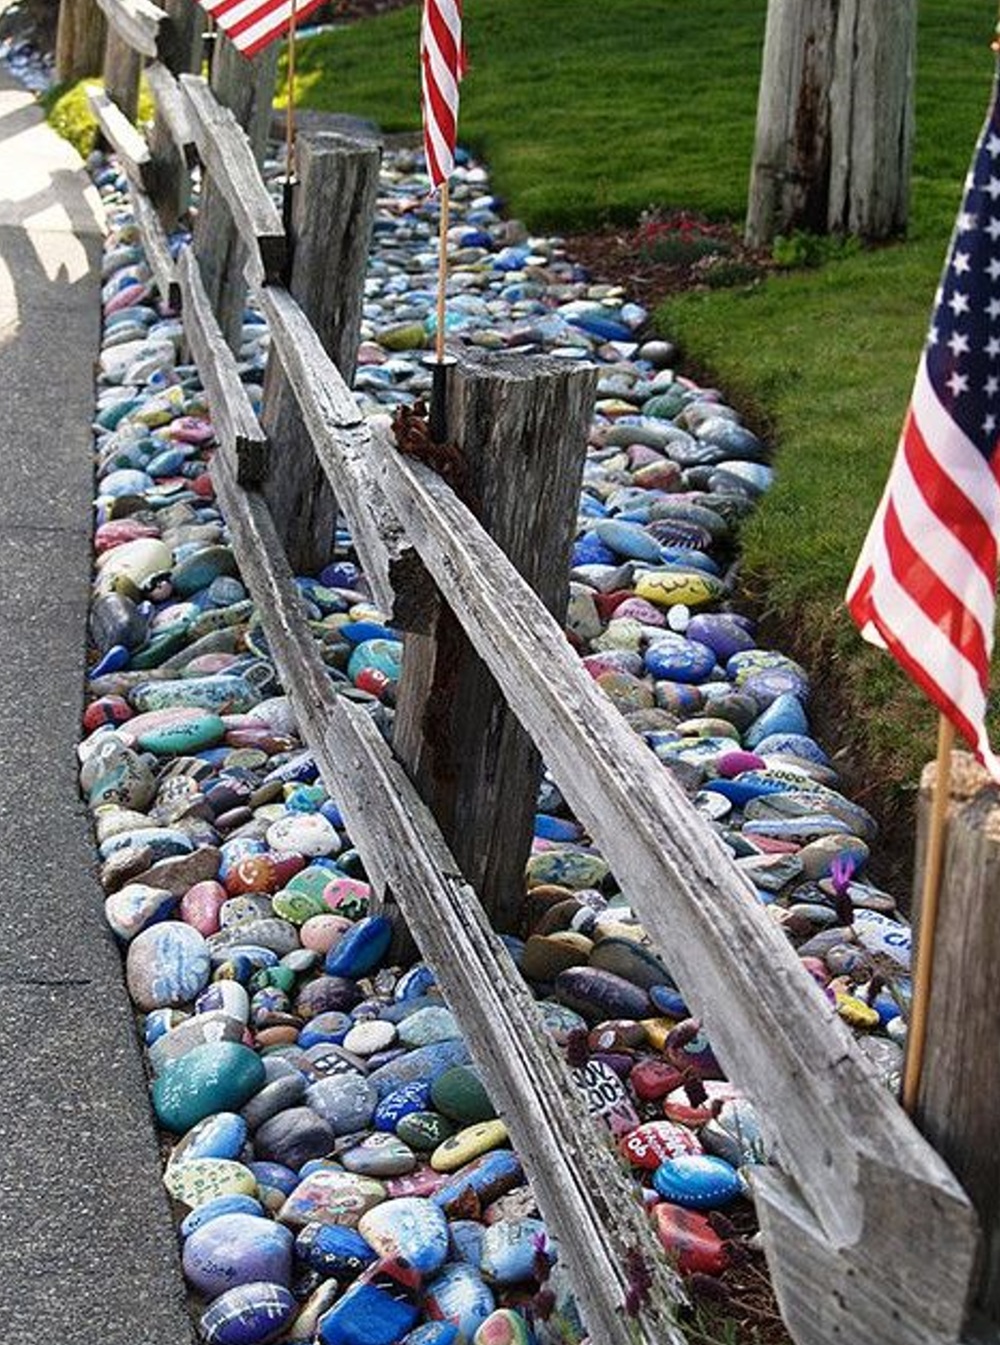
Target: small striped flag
251,25
442,65
924,586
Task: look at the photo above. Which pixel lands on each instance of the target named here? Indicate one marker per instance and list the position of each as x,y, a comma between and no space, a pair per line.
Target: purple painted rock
327,994
250,1314
237,1249
598,994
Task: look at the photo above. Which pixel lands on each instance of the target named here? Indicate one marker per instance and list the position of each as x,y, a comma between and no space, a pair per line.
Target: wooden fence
869,1237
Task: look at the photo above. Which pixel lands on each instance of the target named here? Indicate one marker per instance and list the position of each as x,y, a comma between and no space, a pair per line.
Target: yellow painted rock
689,587
657,1030
468,1144
197,1180
856,1012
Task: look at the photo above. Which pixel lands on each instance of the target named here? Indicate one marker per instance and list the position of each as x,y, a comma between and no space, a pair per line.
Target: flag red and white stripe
442,65
251,25
925,583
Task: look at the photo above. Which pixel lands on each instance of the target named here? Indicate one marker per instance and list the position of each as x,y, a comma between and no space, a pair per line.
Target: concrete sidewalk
86,1240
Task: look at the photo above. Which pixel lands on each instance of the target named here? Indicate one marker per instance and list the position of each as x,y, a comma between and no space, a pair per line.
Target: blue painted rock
630,540
400,1102
434,1333
697,1182
331,1196
237,1249
380,1155
221,1135
426,1062
332,1026
294,1136
228,997
723,633
598,994
215,1208
411,1230
512,1250
250,1314
275,1182
676,658
167,964
488,1177
219,1076
361,948
334,1250
427,1026
880,934
566,868
376,1310
460,1296
346,1102
384,656
136,905
467,1239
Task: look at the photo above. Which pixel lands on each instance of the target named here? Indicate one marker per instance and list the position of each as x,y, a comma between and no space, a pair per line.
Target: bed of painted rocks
339,1171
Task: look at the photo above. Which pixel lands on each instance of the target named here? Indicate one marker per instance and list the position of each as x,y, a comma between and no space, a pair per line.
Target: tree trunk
834,119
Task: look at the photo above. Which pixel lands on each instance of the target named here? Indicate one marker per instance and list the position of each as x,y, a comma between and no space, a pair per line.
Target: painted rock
460,1095
486,1178
630,960
666,588
689,1238
411,1230
167,964
216,1208
294,1136
434,1333
136,905
880,934
370,1037
197,1180
651,1144
512,1250
400,1102
606,1096
304,834
219,1076
469,1143
346,1102
361,948
228,997
598,995
176,732
325,1027
427,1026
237,1249
200,906
380,1155
697,1182
676,658
426,1062
332,1249
376,1310
424,1130
459,1295
319,932
326,994
503,1327
735,1135
249,1314
567,868
331,1196
221,1135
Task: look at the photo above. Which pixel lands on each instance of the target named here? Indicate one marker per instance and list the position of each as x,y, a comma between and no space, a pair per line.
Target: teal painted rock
177,731
198,570
219,1076
223,695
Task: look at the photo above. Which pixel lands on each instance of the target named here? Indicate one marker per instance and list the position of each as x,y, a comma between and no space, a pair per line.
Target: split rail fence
869,1236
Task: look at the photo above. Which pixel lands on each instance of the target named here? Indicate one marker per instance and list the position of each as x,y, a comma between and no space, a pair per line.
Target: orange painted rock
690,1239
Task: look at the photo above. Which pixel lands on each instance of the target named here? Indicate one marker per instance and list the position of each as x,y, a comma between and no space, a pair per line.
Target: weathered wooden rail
869,1236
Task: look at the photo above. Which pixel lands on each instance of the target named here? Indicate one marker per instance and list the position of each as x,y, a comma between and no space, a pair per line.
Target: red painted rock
120,530
651,1144
200,906
688,1236
106,710
653,1079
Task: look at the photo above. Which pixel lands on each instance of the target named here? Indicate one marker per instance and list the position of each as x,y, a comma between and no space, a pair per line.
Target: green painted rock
460,1095
424,1130
219,1076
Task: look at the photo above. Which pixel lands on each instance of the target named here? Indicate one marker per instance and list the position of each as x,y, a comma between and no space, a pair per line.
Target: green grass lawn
589,114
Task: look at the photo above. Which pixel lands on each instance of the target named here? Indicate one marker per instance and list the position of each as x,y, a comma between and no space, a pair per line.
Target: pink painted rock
321,932
200,906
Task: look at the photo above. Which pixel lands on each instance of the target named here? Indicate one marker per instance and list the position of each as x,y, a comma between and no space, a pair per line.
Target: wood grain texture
130,146
80,38
958,1104
225,150
521,425
342,441
894,1233
589,1203
247,89
171,137
332,214
136,23
236,425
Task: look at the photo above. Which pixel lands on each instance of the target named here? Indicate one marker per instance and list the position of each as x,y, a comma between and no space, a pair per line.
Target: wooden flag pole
290,110
916,1036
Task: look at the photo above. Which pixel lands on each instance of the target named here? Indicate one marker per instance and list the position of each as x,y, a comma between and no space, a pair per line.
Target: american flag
924,585
442,65
252,24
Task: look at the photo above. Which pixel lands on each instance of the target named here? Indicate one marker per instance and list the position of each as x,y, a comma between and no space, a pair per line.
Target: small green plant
801,248
69,112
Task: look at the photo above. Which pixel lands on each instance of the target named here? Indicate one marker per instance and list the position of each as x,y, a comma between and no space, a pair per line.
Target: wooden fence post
333,208
80,39
522,427
180,52
958,1104
246,87
122,68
